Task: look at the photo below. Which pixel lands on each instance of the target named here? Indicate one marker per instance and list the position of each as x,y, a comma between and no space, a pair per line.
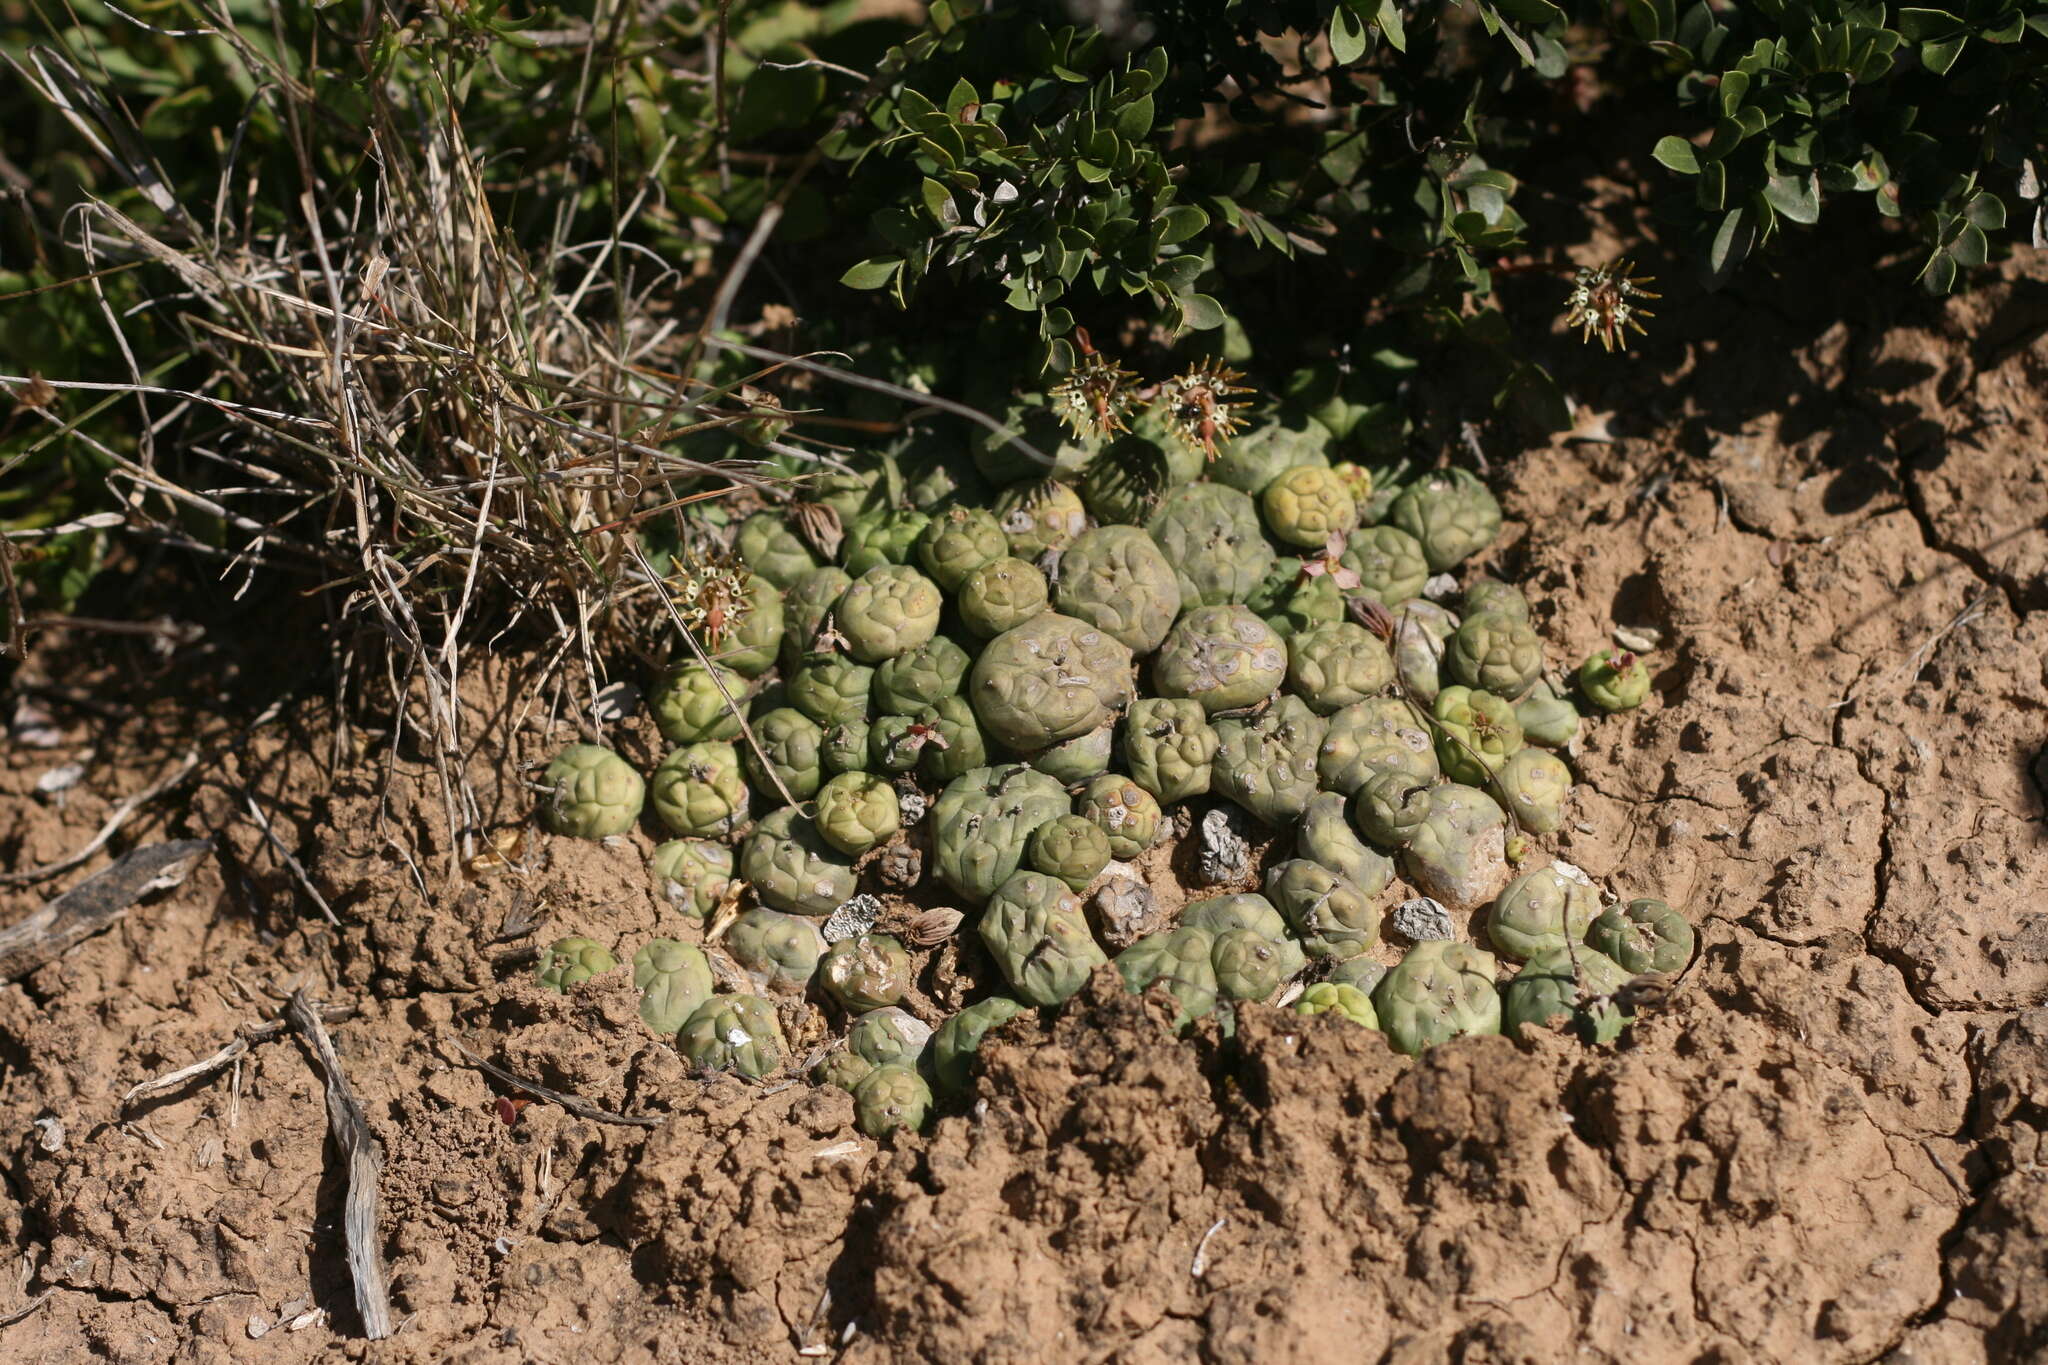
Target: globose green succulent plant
700,792
1326,837
734,1033
889,1036
1048,680
1643,936
1476,732
1123,485
592,793
895,744
1074,761
887,535
1256,458
674,978
1180,961
954,744
1333,917
1391,807
571,961
1337,664
1615,680
983,821
857,812
1539,910
1220,914
1168,746
1533,786
891,1097
1212,537
831,689
922,677
1376,735
778,951
1267,765
1035,930
1491,595
1248,965
1001,595
845,748
749,645
957,542
889,610
792,868
1547,988
807,604
1546,718
959,1038
692,875
1308,504
1119,581
1223,657
1072,848
1346,1002
690,703
768,545
1495,652
1361,973
843,1068
1459,855
1389,562
1441,989
1453,515
1040,515
793,744
1128,815
866,972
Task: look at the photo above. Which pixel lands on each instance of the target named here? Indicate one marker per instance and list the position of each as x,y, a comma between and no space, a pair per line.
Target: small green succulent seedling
1128,815
1267,766
792,868
1476,732
983,821
1441,989
1223,657
886,535
1049,680
1072,848
1495,652
1326,837
1002,595
1213,539
1533,786
1346,1002
1117,579
572,961
1169,746
793,744
1040,515
592,793
830,689
1308,504
779,951
1181,961
889,1036
1337,664
1579,986
692,875
1248,965
891,1097
1643,936
1453,515
734,1033
843,1068
866,972
690,703
674,978
1373,736
959,1038
1615,680
888,611
1540,910
957,542
857,812
1035,930
1546,718
1391,807
700,792
1075,760
1332,916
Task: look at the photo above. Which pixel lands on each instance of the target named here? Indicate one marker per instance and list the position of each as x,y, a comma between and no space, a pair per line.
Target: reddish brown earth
1828,1145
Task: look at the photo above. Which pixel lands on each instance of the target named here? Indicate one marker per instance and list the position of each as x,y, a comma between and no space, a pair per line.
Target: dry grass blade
365,1159
95,903
109,829
245,1038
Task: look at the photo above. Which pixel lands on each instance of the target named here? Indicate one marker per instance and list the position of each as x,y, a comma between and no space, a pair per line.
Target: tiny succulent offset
944,706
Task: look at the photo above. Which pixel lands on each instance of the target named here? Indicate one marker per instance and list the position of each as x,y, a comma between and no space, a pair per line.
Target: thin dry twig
246,1037
582,1108
95,903
118,818
365,1159
9,1319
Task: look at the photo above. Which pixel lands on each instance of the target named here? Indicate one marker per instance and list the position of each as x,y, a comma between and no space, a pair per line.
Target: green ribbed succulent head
1049,680
845,748
690,703
1389,562
1441,989
896,743
1212,537
1074,761
1220,914
1179,960
1040,515
957,542
592,793
778,951
890,610
857,812
1476,732
734,1033
768,545
1540,910
1533,786
831,688
889,1036
1496,652
889,1098
1223,657
1267,764
911,681
794,745
1547,718
1126,482
700,792
955,745
1249,966
1615,680
1332,916
1391,807
1002,595
1336,998
1035,930
749,645
1643,936
849,492
1375,735
1326,836
1072,848
1118,580
1337,664
884,536
1307,504
1309,602
1256,458
1169,746
691,875
1128,815
1459,855
673,978
983,821
792,868
1576,986
1453,515
1492,595
807,604
841,1068
866,972
959,1039
572,961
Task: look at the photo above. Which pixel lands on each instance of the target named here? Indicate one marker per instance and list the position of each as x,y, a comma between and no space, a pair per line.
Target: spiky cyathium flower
1604,301
1197,405
710,594
1096,397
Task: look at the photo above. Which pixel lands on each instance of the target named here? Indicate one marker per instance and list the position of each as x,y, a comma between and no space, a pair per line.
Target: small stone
854,916
1125,911
1441,588
1641,639
1226,854
259,1326
1423,918
910,801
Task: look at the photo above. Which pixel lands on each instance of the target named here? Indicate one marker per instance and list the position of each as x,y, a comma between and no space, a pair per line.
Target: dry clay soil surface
1828,1145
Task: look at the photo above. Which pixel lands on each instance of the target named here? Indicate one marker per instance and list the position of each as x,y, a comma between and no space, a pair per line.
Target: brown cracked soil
1828,1145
